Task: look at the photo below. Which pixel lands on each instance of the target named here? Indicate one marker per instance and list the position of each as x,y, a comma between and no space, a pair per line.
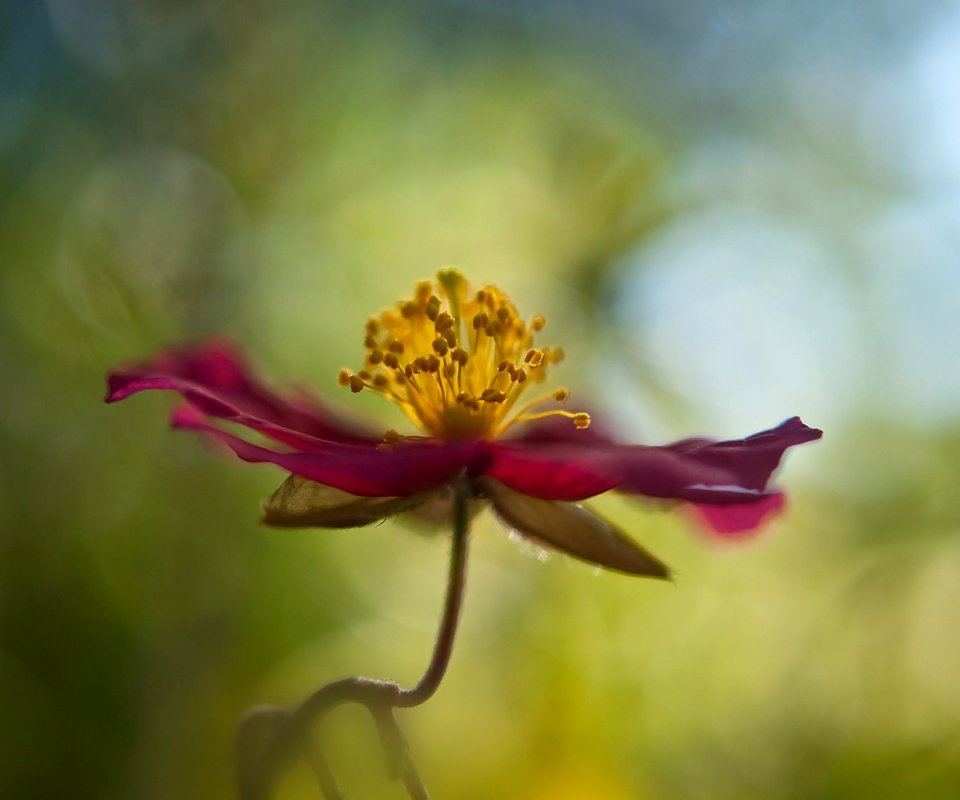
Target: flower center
457,362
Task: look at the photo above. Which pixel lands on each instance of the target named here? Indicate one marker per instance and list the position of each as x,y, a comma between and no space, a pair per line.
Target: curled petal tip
214,376
798,427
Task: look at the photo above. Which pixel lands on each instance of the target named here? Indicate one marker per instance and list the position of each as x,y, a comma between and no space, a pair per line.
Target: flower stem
456,581
285,733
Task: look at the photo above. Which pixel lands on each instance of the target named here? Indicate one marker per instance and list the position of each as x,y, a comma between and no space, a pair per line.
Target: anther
444,356
422,291
450,279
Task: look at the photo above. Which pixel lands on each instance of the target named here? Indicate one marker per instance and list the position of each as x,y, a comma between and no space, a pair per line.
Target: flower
458,363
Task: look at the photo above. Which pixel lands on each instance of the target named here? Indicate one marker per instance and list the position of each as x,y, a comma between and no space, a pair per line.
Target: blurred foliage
726,221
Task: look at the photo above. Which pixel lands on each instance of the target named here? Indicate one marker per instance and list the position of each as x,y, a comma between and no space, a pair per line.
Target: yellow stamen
457,362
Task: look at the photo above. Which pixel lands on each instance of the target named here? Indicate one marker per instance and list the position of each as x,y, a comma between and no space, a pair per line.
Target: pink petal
726,481
738,519
733,474
553,471
365,470
752,460
214,378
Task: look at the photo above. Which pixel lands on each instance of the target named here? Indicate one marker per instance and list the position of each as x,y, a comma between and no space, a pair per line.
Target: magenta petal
704,471
751,460
697,470
364,470
552,471
737,519
215,379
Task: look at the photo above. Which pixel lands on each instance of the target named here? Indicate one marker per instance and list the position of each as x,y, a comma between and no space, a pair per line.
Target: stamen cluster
457,362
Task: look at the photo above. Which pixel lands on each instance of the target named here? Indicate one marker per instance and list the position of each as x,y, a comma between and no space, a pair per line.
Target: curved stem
258,770
427,685
400,764
266,721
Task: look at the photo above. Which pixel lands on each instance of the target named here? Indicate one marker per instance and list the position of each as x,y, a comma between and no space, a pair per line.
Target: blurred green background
729,212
